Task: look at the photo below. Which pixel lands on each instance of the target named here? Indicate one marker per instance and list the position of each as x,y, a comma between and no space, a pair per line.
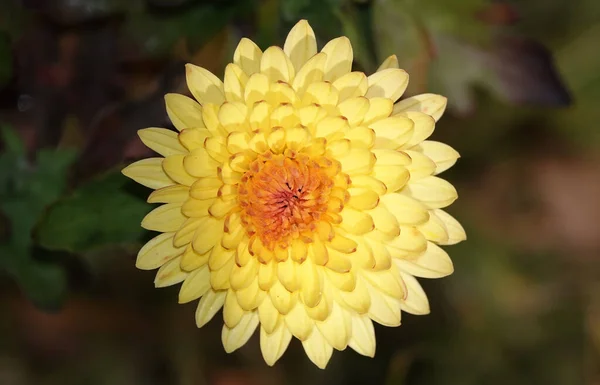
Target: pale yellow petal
300,44
299,323
256,88
358,161
173,167
416,301
317,349
389,83
379,108
195,285
247,56
394,177
232,311
162,141
354,110
283,300
339,58
389,62
148,172
430,104
311,72
443,155
358,299
312,282
433,263
170,274
432,191
322,93
170,194
276,65
192,138
208,233
434,230
186,232
456,233
387,157
384,310
273,345
191,260
392,132
424,126
157,252
165,218
351,85
234,83
337,328
236,337
208,306
421,165
200,164
356,221
206,87
184,112
232,116
363,336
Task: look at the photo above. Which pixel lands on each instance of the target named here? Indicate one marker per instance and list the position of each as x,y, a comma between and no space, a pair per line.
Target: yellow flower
298,197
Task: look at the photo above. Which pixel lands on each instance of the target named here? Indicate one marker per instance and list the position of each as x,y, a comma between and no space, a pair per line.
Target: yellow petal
190,260
232,116
196,208
200,164
357,299
394,177
363,336
251,297
379,108
387,157
339,58
208,306
433,263
345,281
165,218
384,310
421,166
219,257
157,252
205,188
337,328
392,132
234,83
430,104
148,172
170,194
210,116
173,166
331,128
247,56
443,155
284,116
283,300
389,83
195,285
311,279
236,337
322,93
434,230
208,233
387,282
311,72
361,137
273,345
163,141
299,323
256,88
362,198
389,62
232,311
206,87
358,161
317,349
186,233
424,126
268,315
219,279
432,191
184,112
300,44
406,210
410,240
416,301
170,274
220,208
456,233
351,85
356,222
192,138
287,272
384,220
354,109
276,65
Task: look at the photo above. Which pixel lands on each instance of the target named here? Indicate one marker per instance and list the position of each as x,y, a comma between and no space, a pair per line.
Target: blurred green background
78,78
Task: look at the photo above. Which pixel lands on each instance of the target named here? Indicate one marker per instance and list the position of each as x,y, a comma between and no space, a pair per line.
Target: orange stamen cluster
284,197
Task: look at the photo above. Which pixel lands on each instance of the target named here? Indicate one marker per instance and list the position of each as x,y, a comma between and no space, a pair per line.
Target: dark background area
78,78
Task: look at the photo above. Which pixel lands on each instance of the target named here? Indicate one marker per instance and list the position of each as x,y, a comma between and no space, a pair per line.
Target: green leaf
101,213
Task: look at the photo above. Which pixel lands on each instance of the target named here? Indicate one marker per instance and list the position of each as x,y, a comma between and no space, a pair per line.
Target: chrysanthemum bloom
298,197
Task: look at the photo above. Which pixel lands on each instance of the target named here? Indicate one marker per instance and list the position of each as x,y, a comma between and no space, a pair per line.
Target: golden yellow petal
195,285
170,194
317,349
157,252
247,56
219,257
416,301
196,208
173,166
234,83
190,260
219,279
205,188
186,233
200,164
339,58
443,155
276,65
300,44
351,85
430,104
208,306
389,62
192,138
236,337
389,83
164,142
274,344
170,274
209,232
184,112
363,336
206,87
148,172
165,218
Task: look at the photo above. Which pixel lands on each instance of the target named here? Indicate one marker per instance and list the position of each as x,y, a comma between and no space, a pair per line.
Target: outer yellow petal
170,274
206,87
389,62
209,233
384,310
195,285
299,323
456,233
232,311
406,210
247,56
339,58
351,85
273,345
433,263
392,132
432,191
337,328
363,336
276,65
389,83
234,83
165,218
192,138
317,349
300,44
173,166
424,126
256,88
236,337
443,155
394,177
184,112
430,104
208,306
157,252
148,172
416,301
354,110
379,108
421,166
170,194
311,72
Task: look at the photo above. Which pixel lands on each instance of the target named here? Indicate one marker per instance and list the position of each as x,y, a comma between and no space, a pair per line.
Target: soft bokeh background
79,77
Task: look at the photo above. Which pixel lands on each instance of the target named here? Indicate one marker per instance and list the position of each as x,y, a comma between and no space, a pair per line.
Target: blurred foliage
523,84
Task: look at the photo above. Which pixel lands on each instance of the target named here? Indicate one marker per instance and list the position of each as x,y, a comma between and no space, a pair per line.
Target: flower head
299,196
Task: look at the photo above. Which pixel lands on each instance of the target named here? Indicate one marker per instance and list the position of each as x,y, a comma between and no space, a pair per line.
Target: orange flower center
284,197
